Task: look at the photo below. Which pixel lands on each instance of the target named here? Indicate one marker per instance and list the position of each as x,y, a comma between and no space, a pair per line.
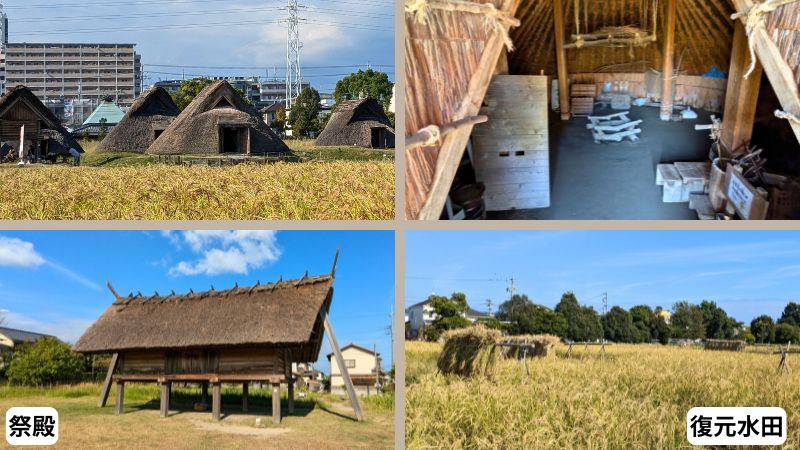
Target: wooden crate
511,152
695,177
582,106
584,90
672,182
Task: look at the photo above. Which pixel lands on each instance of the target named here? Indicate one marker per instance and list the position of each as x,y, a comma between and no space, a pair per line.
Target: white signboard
741,196
736,426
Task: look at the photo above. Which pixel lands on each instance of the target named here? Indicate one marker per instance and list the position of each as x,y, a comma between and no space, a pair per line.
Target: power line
344,66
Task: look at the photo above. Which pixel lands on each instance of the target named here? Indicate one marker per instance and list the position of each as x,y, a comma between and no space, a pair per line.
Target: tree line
573,321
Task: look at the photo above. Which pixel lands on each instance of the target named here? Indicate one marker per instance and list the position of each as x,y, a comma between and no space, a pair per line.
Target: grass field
321,422
333,183
637,398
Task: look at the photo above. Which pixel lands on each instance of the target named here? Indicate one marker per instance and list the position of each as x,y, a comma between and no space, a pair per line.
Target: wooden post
204,389
245,395
276,402
164,398
120,400
348,382
216,401
290,396
107,383
667,94
561,59
741,97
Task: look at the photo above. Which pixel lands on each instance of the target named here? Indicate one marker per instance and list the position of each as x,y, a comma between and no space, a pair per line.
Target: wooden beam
111,288
741,97
668,67
348,382
290,396
164,399
245,395
561,60
775,67
107,382
120,400
335,260
276,403
216,401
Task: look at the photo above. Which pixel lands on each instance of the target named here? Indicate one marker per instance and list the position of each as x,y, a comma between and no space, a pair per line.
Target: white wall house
364,367
421,315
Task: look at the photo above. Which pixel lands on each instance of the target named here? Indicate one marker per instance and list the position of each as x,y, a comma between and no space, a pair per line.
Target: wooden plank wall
511,152
142,362
244,360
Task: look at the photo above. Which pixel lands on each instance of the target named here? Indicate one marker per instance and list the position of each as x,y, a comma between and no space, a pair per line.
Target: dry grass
324,423
341,190
470,352
636,399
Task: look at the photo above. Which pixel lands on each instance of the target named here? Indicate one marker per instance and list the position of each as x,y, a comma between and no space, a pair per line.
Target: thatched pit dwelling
43,131
362,123
539,64
239,335
218,121
144,122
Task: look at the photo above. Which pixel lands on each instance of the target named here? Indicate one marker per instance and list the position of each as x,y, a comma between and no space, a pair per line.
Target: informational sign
750,203
740,196
736,426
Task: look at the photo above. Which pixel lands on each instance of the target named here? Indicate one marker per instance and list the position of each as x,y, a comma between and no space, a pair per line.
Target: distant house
144,122
421,315
364,367
308,376
361,123
270,113
666,315
10,339
169,85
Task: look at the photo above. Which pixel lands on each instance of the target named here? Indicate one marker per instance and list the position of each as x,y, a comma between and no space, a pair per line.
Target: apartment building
274,91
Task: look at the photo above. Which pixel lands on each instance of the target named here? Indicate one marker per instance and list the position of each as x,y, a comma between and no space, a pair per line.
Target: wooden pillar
741,97
120,400
276,402
165,388
107,383
245,395
667,94
290,396
216,401
561,59
204,389
348,382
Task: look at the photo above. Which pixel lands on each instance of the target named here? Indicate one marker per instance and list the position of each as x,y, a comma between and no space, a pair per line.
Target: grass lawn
319,422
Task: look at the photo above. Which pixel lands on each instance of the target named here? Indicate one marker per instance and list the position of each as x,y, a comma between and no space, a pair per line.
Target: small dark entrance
157,133
233,140
379,138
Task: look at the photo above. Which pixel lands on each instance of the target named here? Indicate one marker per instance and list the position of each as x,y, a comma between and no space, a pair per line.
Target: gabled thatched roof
196,130
352,122
283,313
53,130
153,110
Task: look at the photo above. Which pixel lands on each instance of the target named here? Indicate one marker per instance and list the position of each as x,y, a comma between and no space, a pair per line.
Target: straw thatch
197,128
723,344
283,313
150,114
539,346
11,106
470,352
352,123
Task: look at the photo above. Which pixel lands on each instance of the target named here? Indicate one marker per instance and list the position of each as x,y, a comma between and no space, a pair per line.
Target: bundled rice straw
470,352
542,345
723,344
494,19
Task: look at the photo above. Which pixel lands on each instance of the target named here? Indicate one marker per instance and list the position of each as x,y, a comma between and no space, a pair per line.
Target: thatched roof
282,313
352,122
153,111
53,128
196,130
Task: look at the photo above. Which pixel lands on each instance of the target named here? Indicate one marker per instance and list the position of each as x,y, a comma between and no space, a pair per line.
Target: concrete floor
616,181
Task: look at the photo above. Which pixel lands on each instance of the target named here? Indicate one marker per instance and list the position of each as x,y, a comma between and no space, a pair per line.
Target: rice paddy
637,398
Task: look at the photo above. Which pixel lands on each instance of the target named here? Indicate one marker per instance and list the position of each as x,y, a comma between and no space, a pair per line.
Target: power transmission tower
512,288
605,303
489,306
294,80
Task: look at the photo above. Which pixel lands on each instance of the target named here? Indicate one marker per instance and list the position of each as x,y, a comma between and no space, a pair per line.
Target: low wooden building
239,335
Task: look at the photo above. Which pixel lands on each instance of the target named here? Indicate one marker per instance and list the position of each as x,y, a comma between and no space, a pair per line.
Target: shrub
786,333
47,361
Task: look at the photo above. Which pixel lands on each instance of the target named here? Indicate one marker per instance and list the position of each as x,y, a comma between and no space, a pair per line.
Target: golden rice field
637,398
340,190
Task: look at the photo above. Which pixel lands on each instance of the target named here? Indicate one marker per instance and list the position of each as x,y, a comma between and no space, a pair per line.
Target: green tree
279,123
791,314
618,325
449,313
660,330
46,362
687,321
716,322
642,317
748,337
304,116
489,322
538,319
103,128
763,328
365,84
785,333
583,323
512,309
192,88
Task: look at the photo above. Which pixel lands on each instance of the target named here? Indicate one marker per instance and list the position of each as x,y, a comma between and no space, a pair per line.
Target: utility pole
391,336
294,81
512,290
489,306
605,303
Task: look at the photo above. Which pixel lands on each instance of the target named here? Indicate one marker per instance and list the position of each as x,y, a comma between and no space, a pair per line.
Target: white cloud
225,252
18,253
74,276
68,329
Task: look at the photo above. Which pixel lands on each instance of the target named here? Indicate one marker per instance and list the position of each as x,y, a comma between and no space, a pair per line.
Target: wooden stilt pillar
276,403
216,401
290,396
348,382
120,400
561,60
107,383
165,388
667,94
741,97
245,395
204,396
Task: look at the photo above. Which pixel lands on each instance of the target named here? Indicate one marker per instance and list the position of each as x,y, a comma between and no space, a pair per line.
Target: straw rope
494,18
787,116
756,16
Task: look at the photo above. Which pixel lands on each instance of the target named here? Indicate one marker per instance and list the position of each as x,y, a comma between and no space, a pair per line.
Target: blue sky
748,273
219,33
54,282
